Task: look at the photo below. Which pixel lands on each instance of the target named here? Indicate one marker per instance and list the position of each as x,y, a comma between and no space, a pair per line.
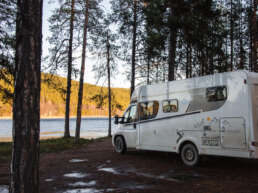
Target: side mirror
116,120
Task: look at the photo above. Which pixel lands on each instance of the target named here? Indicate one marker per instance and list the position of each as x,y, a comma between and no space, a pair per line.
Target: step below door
232,130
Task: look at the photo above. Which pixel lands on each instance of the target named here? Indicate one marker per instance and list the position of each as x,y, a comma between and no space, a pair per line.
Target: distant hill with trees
52,101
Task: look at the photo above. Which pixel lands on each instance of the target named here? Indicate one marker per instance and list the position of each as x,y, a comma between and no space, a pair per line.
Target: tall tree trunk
241,61
109,88
69,74
80,92
231,37
135,2
190,63
24,177
172,51
250,46
241,49
187,67
254,37
148,68
172,55
211,68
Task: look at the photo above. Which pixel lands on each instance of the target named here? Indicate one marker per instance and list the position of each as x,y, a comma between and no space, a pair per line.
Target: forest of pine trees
52,101
155,40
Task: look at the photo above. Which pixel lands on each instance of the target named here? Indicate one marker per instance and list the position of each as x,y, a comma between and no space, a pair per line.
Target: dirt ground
97,168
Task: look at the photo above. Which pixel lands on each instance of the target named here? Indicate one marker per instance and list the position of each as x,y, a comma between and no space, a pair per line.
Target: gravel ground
97,168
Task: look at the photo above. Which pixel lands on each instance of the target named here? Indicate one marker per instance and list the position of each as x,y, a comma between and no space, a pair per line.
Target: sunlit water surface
90,127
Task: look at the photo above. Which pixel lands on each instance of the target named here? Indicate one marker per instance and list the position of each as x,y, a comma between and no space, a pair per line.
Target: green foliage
5,151
7,45
101,100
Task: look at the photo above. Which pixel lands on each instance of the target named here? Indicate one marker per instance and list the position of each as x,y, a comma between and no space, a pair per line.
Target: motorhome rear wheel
189,155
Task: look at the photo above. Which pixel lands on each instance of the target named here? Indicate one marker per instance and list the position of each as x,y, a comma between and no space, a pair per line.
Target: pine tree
128,15
26,107
65,38
80,92
106,49
254,36
92,17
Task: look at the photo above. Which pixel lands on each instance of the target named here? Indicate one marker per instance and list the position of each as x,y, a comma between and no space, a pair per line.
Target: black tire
189,155
120,146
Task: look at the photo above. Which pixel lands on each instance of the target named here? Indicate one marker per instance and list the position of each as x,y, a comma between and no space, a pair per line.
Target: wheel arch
119,135
186,141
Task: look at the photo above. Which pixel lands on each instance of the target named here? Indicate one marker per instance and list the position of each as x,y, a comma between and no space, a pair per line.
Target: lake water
90,127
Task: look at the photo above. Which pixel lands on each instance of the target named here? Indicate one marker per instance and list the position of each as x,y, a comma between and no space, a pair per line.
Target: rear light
254,143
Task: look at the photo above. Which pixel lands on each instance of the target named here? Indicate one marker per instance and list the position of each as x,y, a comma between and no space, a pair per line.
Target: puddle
83,184
148,175
49,180
132,170
84,190
110,170
4,189
160,177
101,166
131,185
90,190
78,160
109,190
75,175
173,176
182,176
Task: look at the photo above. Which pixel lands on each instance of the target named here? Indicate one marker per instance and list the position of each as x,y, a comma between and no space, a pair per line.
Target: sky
118,81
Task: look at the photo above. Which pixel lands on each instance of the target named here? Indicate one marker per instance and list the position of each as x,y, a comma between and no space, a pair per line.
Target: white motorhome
210,115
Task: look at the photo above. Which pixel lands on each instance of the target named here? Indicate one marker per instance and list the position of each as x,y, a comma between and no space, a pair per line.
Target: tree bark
80,92
172,51
254,38
134,45
69,74
109,88
148,69
24,176
250,46
187,67
231,37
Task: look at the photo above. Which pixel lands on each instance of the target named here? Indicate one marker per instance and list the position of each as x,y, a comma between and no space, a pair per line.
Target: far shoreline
58,117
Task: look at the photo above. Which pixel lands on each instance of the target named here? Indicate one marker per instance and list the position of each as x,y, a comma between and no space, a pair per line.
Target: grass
5,150
46,146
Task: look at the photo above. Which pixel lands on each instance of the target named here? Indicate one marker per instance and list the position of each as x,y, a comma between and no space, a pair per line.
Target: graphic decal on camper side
211,135
211,141
180,135
199,124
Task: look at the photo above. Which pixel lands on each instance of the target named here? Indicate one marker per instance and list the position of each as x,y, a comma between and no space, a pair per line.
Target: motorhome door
130,124
232,131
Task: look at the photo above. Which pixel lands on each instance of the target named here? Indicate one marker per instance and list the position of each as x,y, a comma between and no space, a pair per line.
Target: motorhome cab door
130,124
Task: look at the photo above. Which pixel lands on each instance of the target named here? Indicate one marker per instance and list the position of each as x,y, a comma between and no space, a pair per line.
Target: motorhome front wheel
189,155
120,146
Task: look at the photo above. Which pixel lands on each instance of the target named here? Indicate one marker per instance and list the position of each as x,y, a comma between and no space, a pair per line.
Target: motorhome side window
148,110
170,106
218,93
207,99
130,115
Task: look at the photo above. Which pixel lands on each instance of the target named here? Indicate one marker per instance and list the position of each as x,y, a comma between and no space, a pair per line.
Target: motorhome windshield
130,114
